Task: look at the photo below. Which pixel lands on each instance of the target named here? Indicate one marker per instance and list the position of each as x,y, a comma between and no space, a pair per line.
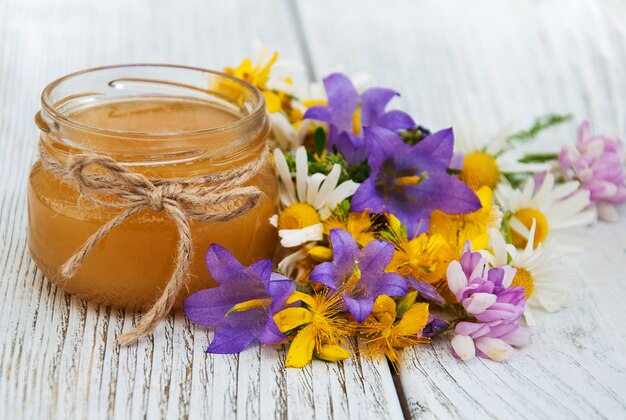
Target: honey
163,122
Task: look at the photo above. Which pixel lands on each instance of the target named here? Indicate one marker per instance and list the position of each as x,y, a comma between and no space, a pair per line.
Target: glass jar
163,122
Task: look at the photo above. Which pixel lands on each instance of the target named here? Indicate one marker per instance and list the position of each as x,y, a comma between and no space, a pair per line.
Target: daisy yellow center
480,169
298,216
526,216
525,279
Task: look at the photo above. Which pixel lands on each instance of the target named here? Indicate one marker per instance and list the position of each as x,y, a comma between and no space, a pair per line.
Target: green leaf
538,157
540,124
320,140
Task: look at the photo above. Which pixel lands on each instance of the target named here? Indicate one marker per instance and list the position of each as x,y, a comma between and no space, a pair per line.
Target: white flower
485,158
309,202
539,270
555,209
287,136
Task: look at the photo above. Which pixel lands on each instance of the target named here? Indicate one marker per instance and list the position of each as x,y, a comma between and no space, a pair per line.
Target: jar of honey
165,123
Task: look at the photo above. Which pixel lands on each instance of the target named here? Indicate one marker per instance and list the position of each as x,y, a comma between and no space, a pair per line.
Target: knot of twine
214,198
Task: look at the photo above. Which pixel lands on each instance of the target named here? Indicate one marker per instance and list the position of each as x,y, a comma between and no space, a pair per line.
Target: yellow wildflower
321,327
425,258
359,225
457,229
384,335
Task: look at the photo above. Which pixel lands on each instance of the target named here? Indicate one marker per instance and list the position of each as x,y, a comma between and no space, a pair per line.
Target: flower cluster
391,234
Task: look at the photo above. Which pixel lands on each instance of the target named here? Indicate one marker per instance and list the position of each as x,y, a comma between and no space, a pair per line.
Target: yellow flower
256,74
384,336
359,225
322,328
425,258
457,229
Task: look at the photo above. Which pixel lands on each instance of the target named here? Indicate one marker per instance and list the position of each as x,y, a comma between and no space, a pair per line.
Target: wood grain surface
515,59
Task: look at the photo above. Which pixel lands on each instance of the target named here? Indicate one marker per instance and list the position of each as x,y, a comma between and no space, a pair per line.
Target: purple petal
345,250
327,274
373,104
438,147
374,258
343,100
270,334
208,307
318,112
360,309
425,290
448,194
279,289
222,265
434,327
381,143
230,341
262,269
390,284
471,329
365,198
395,120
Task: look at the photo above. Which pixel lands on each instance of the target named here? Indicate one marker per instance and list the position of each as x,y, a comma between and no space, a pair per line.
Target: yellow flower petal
290,318
384,303
405,302
321,253
301,348
250,304
413,320
333,353
272,101
299,296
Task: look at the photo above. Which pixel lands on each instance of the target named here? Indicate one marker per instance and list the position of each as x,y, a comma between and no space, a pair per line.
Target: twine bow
214,198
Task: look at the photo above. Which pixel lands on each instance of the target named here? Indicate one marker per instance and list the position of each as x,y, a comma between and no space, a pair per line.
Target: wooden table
516,59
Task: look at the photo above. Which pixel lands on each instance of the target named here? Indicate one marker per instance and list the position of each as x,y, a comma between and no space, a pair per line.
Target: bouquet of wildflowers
392,234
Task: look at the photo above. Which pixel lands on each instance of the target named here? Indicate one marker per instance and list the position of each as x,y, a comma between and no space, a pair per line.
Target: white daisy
309,202
483,159
539,270
555,208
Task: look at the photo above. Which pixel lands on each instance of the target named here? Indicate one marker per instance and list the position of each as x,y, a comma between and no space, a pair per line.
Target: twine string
214,198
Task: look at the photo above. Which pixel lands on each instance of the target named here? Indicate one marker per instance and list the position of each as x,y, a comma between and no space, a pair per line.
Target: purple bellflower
344,132
358,275
412,181
242,306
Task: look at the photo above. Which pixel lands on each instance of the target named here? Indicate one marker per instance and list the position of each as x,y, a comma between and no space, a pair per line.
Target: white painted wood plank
517,59
59,356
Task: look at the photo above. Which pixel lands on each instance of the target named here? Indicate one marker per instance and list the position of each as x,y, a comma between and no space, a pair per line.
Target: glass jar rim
52,108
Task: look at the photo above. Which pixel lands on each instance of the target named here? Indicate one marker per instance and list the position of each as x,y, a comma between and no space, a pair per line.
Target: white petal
302,171
509,275
274,220
283,131
285,176
530,244
528,316
563,190
543,196
463,346
327,187
496,349
313,185
294,237
344,190
607,212
498,244
456,277
519,227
